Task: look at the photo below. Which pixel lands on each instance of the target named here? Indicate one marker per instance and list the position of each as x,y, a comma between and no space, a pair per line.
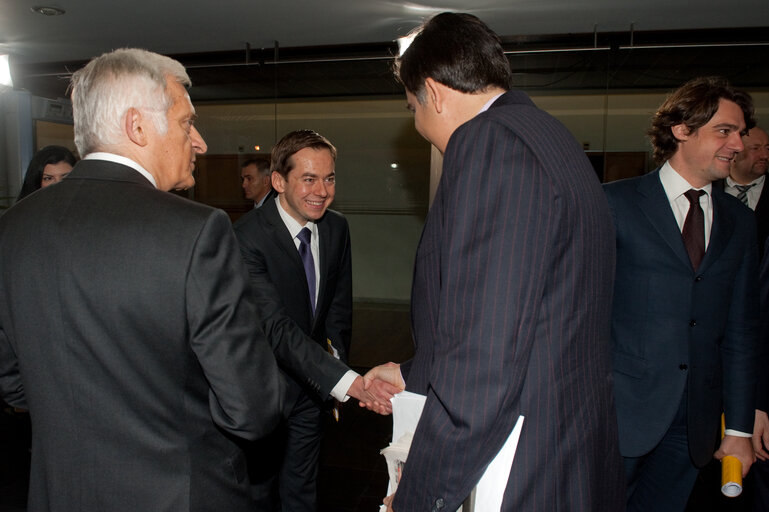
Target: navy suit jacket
672,326
510,309
297,336
126,325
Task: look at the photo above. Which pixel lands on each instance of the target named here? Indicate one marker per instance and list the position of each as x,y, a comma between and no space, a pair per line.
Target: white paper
407,408
491,487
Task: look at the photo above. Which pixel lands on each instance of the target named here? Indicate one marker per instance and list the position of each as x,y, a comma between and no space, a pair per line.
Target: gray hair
109,85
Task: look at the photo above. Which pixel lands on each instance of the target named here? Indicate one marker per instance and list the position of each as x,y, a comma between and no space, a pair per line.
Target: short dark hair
262,165
293,142
694,104
457,50
33,179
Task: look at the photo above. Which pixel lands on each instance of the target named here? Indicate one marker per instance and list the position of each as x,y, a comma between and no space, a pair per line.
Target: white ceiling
91,27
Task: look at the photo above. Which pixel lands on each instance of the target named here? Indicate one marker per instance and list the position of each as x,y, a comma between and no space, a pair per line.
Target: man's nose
198,143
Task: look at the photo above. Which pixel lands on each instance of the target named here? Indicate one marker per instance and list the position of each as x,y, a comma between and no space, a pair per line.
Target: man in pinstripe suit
512,290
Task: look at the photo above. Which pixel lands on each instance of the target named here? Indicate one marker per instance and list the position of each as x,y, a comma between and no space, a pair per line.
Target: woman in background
49,165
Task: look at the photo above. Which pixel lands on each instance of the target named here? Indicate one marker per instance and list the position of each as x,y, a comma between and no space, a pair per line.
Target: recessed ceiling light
47,11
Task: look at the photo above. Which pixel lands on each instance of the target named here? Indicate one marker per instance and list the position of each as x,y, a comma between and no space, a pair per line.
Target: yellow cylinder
731,476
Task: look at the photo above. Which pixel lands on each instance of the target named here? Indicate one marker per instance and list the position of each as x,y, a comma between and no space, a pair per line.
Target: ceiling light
5,71
47,10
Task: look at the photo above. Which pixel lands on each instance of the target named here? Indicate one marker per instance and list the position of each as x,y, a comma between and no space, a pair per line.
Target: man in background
685,301
126,321
747,179
255,180
298,255
512,290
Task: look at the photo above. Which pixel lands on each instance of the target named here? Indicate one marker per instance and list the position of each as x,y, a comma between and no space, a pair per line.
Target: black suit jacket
673,327
761,212
298,338
510,310
762,217
126,326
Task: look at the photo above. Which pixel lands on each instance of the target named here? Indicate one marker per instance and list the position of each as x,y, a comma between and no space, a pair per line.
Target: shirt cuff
340,390
736,433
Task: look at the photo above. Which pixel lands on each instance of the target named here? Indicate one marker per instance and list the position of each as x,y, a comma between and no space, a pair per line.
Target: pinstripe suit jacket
510,310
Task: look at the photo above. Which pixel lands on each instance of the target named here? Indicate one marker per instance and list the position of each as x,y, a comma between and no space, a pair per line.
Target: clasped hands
375,389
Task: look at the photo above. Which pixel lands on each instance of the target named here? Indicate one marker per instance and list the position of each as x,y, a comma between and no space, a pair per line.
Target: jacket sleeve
339,318
739,346
297,353
11,389
246,390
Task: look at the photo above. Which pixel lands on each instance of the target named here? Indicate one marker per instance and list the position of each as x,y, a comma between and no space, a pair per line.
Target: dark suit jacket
761,213
510,309
762,216
671,325
126,311
298,338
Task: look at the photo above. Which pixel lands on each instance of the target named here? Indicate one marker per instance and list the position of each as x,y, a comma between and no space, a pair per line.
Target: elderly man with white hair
126,324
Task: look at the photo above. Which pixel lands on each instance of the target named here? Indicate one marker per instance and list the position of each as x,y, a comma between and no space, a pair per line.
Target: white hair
109,85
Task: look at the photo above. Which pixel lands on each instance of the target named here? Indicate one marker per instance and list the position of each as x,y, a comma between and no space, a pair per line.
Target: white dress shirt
753,193
675,187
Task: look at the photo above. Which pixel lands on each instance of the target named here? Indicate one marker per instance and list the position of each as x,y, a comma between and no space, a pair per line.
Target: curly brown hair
694,104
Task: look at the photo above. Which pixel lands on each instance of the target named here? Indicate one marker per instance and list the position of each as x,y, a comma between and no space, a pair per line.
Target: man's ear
134,127
435,94
278,182
680,131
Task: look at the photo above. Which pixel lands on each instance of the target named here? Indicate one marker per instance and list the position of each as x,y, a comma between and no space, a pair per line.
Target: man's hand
761,435
739,447
388,372
376,398
388,502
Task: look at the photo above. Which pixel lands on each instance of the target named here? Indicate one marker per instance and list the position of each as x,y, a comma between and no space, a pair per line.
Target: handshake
375,389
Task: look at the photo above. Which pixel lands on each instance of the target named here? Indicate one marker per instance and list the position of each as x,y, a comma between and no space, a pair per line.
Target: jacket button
698,279
692,323
683,366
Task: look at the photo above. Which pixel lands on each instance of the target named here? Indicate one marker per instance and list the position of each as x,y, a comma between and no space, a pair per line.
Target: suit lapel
720,231
656,207
324,253
277,231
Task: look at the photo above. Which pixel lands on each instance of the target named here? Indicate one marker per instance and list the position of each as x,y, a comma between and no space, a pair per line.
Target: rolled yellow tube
731,471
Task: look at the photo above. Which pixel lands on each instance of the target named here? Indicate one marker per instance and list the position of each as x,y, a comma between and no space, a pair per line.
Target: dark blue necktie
309,263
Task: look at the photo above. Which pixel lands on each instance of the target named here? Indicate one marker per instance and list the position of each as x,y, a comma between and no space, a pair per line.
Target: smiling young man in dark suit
686,301
512,290
126,322
304,293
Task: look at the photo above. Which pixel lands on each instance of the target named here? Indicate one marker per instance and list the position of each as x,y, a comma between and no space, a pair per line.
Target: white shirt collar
731,183
491,102
675,185
293,226
112,157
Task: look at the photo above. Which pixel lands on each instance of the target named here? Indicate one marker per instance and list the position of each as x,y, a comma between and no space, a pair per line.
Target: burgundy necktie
307,260
694,228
